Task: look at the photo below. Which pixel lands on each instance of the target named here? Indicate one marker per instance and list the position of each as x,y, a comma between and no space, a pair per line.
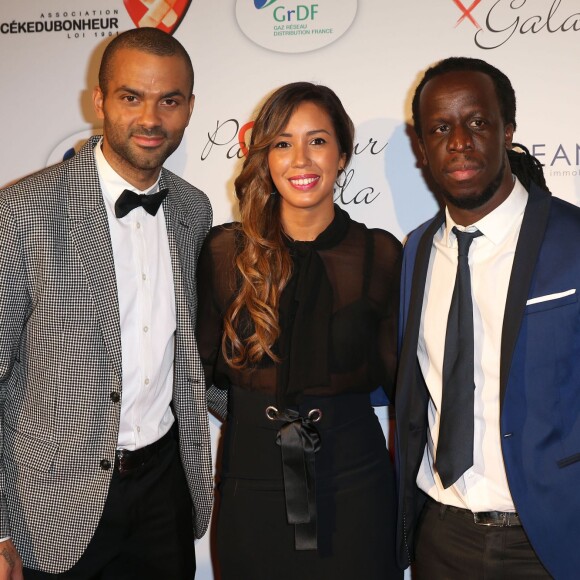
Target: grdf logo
163,14
294,26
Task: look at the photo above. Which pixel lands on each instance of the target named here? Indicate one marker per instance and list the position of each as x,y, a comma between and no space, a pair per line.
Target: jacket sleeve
14,310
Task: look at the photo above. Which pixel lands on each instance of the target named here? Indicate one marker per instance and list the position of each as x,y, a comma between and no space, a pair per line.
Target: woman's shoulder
223,233
387,239
225,230
382,238
222,238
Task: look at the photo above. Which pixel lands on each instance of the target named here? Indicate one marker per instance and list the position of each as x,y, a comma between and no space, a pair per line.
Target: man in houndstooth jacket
97,349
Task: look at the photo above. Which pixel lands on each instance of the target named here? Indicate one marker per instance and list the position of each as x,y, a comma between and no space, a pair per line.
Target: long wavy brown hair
251,325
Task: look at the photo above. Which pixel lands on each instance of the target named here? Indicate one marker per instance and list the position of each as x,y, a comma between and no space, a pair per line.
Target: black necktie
129,200
455,446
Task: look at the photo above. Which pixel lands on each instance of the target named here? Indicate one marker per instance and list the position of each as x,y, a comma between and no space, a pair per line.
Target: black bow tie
129,200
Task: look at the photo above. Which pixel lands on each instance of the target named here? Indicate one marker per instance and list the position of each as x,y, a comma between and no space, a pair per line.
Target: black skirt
355,496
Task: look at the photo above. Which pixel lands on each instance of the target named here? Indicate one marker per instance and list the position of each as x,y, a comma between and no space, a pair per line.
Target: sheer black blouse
338,313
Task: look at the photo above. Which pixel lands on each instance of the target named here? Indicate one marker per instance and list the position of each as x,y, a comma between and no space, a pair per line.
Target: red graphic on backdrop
242,136
163,14
467,12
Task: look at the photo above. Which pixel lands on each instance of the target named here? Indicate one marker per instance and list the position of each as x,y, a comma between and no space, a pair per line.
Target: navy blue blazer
539,382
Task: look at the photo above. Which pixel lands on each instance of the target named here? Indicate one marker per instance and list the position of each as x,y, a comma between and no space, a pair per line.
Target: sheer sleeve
215,283
384,290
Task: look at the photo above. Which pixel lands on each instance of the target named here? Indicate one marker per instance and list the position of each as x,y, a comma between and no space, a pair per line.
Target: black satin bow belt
299,440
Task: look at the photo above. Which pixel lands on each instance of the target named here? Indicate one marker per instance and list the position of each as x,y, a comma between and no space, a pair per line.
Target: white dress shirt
484,486
147,312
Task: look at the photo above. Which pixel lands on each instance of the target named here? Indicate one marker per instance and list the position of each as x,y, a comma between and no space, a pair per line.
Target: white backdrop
371,52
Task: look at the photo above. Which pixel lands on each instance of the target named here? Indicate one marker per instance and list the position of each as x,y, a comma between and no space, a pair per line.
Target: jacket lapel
527,250
410,398
89,232
182,250
417,291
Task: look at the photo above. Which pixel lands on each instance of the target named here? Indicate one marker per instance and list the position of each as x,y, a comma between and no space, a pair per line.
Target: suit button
115,397
105,464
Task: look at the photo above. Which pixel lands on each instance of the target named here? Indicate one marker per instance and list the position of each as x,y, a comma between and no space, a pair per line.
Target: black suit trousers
146,530
451,546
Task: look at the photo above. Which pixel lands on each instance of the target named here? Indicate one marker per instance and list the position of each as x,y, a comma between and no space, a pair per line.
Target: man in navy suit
512,510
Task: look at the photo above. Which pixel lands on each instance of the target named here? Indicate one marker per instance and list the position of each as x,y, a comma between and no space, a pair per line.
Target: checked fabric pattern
60,357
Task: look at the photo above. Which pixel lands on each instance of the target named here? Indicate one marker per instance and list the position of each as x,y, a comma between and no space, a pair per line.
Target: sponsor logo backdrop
371,52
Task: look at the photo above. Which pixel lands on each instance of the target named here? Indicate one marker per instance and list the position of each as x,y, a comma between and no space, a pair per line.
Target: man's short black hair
149,40
503,87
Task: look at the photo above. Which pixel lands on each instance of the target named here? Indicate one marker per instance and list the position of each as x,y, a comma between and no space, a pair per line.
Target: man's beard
476,201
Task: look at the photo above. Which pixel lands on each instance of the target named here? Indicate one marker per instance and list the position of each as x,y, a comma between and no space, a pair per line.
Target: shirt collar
112,184
496,225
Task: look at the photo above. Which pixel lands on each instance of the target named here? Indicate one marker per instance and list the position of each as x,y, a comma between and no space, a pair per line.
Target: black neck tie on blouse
455,446
129,200
309,299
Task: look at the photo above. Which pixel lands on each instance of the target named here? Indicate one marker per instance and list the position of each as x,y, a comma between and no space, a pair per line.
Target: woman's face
304,161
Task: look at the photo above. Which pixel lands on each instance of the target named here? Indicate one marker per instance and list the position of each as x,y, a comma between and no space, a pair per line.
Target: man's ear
191,105
509,135
98,99
422,149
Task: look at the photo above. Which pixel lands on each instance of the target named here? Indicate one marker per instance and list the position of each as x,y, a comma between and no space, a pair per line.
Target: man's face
145,109
464,142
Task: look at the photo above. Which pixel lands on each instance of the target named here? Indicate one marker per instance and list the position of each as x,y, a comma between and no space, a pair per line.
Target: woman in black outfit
297,319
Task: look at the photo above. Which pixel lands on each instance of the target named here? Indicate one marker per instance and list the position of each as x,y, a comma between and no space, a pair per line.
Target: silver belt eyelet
315,415
272,413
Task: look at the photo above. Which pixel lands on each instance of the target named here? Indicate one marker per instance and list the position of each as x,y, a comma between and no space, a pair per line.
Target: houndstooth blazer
60,357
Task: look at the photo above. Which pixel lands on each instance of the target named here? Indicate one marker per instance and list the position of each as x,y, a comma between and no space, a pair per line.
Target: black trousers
146,530
450,545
